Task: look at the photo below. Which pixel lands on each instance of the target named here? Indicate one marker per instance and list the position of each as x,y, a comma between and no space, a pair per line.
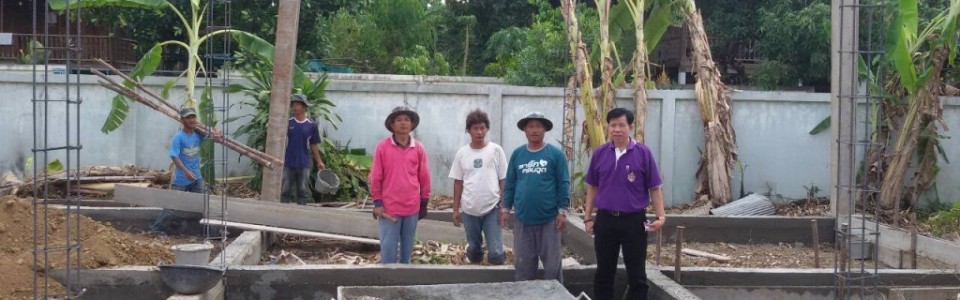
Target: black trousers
610,234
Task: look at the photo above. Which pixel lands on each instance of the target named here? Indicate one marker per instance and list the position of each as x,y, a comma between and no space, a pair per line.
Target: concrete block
523,290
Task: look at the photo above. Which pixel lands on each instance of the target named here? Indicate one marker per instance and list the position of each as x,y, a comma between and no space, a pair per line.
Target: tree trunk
578,51
640,75
720,155
607,92
286,46
569,117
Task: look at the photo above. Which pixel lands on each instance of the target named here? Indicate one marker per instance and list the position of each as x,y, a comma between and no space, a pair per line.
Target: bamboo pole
203,128
244,150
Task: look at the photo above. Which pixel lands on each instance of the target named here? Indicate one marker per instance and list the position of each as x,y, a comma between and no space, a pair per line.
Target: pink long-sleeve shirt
400,177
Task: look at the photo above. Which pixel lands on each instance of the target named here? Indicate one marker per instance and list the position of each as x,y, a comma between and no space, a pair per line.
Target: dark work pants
610,234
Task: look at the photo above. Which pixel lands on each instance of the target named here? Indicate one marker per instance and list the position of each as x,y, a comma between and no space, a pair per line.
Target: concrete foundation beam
285,215
895,250
765,293
321,282
942,293
746,277
662,287
748,229
141,282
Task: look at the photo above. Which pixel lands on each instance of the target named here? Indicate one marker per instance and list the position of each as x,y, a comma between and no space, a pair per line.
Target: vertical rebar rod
659,245
816,244
677,259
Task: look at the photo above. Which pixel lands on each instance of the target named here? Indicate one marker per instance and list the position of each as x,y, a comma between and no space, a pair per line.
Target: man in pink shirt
400,186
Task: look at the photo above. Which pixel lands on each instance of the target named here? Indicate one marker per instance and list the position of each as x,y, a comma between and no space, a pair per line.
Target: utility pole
286,46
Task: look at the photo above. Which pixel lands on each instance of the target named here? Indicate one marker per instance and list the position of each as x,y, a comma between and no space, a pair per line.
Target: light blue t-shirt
186,147
537,185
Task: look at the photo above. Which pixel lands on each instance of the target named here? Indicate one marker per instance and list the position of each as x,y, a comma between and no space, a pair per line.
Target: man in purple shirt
622,181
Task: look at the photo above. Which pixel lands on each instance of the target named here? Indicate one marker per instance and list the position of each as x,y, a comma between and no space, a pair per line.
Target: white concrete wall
771,128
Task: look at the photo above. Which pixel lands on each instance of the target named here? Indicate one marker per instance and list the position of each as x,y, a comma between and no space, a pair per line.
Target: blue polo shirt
623,184
300,135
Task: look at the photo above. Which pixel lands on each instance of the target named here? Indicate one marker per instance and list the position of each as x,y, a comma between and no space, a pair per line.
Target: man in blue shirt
185,153
302,138
622,181
538,190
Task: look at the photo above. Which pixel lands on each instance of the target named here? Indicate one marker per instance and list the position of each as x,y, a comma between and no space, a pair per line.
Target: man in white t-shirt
478,173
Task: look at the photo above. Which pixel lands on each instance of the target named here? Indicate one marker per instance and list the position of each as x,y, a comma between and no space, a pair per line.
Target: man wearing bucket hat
185,154
302,138
538,192
400,186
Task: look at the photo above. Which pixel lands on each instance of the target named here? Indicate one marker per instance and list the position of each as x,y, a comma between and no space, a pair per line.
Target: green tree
491,16
422,63
539,55
796,34
733,27
370,36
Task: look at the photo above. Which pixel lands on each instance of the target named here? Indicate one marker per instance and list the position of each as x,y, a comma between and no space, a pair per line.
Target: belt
619,213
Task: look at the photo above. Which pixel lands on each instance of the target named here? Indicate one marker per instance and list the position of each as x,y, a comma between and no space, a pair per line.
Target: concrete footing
250,281
523,290
748,284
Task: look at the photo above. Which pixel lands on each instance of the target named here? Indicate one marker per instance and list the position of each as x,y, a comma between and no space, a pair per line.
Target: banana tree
593,127
918,56
607,47
648,34
720,155
622,18
195,36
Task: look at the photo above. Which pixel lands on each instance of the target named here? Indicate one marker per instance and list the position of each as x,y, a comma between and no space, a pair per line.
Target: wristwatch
562,211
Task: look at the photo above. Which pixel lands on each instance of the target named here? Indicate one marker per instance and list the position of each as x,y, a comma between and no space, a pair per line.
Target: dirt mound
102,246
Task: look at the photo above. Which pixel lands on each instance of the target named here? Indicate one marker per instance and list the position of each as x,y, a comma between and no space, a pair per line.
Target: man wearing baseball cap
185,153
302,139
538,191
399,186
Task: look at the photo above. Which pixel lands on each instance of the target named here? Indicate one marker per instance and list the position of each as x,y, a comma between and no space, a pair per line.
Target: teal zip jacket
537,185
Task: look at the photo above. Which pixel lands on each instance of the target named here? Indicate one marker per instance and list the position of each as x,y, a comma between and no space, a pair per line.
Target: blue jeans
167,215
477,227
394,236
296,185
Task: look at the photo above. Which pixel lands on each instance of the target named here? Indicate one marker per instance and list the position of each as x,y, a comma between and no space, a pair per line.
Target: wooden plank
709,255
290,231
287,215
109,186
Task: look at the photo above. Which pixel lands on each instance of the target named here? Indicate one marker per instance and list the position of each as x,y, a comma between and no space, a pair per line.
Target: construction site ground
102,246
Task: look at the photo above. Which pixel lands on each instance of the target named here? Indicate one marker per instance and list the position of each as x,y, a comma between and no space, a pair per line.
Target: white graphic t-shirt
481,171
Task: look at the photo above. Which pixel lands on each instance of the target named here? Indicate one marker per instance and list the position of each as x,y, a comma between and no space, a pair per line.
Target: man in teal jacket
538,192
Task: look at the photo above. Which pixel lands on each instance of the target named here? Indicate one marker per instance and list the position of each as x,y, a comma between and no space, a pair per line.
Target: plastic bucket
327,182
